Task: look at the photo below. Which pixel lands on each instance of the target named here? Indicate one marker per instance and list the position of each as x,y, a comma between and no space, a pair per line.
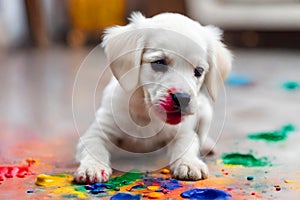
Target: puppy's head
171,57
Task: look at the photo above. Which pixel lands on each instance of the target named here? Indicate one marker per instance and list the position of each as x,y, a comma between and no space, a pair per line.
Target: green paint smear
247,160
80,189
273,136
125,179
290,85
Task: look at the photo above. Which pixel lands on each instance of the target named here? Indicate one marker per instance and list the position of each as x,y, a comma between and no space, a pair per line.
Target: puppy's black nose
181,100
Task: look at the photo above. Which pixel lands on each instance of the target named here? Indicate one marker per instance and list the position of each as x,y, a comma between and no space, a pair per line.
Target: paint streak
127,196
54,180
273,136
206,193
10,171
296,184
247,160
69,190
290,85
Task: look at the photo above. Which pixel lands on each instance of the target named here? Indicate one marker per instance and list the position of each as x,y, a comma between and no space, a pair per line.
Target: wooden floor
49,97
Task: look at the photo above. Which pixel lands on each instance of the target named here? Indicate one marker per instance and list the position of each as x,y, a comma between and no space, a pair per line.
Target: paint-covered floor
37,121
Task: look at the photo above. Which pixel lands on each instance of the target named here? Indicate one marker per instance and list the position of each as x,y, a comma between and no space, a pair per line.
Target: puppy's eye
160,65
198,71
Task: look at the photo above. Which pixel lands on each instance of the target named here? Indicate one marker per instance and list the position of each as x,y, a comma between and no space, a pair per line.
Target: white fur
128,117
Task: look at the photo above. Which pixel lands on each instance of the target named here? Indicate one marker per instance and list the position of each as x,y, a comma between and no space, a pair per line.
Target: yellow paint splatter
295,183
153,187
165,171
69,190
154,195
54,180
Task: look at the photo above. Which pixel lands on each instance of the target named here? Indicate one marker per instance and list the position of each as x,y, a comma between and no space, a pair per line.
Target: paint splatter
64,184
149,185
171,184
273,136
54,180
10,171
154,195
206,193
165,171
277,187
127,196
235,79
290,85
153,187
125,179
247,160
294,183
75,192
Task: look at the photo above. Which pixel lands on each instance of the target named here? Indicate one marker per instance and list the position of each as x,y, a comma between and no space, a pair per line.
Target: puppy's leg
185,158
93,157
208,147
207,144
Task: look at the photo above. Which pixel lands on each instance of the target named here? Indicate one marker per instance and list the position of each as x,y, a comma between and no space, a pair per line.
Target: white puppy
156,97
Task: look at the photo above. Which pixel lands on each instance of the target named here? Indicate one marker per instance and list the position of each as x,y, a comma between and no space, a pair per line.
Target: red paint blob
20,171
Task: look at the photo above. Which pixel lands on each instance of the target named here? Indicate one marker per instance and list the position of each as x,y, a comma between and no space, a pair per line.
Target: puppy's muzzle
181,100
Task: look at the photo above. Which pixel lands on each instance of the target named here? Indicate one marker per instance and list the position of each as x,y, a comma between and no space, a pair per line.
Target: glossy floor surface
49,97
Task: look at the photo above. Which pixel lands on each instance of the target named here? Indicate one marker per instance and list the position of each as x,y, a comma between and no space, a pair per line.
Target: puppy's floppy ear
219,60
123,47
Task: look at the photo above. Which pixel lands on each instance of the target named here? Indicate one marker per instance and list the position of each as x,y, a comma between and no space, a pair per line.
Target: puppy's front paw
92,173
194,169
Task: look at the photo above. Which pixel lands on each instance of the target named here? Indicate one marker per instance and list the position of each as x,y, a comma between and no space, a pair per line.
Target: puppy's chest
143,145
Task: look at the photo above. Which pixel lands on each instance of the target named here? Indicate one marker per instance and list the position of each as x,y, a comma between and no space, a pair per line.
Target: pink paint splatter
10,171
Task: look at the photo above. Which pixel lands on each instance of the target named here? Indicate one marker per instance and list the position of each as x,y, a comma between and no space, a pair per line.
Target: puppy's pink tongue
173,116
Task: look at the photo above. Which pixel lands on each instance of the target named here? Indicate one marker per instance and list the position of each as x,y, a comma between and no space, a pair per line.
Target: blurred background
247,23
44,42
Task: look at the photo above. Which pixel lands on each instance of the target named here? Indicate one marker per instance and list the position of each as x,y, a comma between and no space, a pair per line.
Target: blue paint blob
250,178
100,184
97,190
291,85
238,80
89,187
206,193
30,191
125,196
171,184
